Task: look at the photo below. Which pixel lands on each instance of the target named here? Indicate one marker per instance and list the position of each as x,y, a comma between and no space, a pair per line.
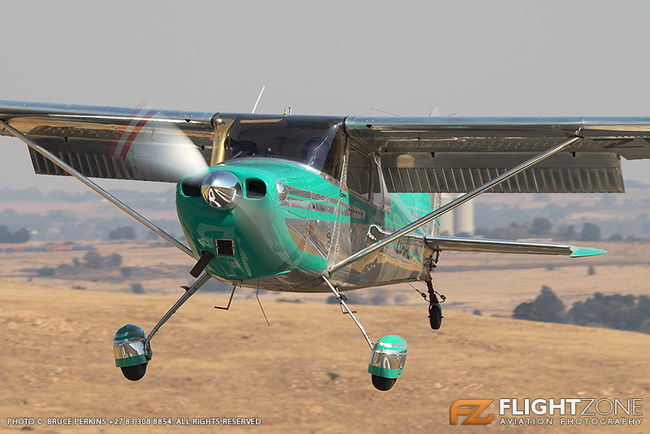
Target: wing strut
105,194
453,204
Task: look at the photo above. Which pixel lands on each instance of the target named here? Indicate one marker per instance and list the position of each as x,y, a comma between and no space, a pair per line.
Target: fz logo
472,408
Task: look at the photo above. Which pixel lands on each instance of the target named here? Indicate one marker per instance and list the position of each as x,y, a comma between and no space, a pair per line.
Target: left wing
507,246
459,154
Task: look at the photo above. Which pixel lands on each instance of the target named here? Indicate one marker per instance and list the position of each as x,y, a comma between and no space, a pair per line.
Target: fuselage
290,222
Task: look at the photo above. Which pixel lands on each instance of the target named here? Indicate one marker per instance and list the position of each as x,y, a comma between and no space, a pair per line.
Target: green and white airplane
323,203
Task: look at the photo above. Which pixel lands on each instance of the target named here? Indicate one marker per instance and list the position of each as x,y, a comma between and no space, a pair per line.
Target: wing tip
581,252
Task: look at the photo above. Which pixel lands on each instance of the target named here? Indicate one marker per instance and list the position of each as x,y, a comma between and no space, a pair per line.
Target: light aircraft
323,203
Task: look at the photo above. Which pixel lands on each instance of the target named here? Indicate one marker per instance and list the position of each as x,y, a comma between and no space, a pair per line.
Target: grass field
305,373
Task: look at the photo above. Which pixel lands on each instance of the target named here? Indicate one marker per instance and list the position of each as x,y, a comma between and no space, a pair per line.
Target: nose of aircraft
232,212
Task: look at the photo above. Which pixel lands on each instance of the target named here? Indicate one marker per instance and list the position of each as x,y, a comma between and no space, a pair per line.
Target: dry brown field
304,373
492,283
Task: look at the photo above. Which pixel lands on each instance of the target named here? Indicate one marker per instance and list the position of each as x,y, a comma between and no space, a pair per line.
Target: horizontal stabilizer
508,246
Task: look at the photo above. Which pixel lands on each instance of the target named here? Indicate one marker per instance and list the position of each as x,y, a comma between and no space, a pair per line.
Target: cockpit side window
359,171
335,157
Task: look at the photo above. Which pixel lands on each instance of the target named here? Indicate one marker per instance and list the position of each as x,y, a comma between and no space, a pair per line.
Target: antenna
257,296
384,111
258,99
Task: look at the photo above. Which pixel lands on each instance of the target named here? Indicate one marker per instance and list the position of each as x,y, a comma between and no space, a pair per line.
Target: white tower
464,219
447,220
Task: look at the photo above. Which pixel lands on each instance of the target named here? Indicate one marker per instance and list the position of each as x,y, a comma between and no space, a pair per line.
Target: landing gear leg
131,346
435,310
387,355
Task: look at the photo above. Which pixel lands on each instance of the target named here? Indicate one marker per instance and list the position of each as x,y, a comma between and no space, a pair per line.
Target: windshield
308,140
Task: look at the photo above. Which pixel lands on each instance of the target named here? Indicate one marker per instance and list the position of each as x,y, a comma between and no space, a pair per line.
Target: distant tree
122,233
477,312
4,234
615,237
379,297
93,259
332,300
137,288
45,271
400,299
22,235
288,300
645,327
114,260
590,232
513,231
482,231
64,269
550,306
526,311
567,233
591,270
126,271
546,307
624,312
541,226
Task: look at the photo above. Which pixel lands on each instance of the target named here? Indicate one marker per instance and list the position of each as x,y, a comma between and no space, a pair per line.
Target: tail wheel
382,383
134,373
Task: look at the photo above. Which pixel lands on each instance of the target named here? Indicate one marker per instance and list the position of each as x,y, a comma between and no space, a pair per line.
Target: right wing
506,246
150,145
113,142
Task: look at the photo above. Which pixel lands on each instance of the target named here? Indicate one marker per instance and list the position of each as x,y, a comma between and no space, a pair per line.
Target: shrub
331,300
137,288
590,232
114,260
546,307
623,312
45,271
22,235
93,259
122,233
541,226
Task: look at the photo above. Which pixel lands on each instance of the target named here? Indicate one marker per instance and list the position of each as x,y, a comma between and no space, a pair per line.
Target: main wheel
383,383
435,315
134,373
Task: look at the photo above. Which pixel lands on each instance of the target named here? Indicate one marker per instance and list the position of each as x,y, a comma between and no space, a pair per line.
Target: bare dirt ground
305,373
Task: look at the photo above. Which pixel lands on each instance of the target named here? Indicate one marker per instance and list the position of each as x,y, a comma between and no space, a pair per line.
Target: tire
382,383
435,316
134,373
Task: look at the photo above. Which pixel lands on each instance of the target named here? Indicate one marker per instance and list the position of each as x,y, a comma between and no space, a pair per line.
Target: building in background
458,222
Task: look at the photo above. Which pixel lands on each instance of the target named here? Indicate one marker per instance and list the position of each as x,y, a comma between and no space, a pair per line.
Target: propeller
163,148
